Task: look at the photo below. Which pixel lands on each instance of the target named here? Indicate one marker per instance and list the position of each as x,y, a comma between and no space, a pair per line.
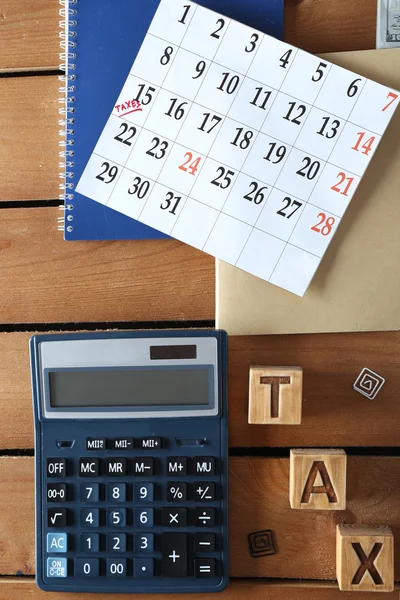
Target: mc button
89,467
56,467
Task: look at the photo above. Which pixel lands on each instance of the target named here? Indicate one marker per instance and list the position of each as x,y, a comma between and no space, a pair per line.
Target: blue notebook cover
108,36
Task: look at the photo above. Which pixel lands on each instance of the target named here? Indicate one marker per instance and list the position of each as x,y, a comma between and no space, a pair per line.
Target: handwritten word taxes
128,107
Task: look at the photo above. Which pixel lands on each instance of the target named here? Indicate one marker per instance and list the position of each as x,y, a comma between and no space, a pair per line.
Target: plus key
174,555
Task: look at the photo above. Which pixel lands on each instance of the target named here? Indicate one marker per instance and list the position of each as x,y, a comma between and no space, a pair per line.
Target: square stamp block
365,558
275,395
318,479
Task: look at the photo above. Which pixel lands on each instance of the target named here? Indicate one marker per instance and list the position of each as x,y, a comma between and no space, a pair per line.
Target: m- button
177,465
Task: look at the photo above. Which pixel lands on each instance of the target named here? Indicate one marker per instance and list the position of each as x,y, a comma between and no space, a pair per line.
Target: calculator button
144,543
177,465
149,443
204,492
116,567
143,467
117,518
204,542
123,444
174,517
56,492
96,444
204,517
116,467
144,492
174,555
57,517
116,542
144,517
204,567
87,567
57,542
176,492
90,517
204,466
57,567
116,492
56,467
89,467
90,542
143,568
90,492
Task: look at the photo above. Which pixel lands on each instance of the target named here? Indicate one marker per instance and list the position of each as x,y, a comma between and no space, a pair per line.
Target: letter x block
275,395
318,479
364,558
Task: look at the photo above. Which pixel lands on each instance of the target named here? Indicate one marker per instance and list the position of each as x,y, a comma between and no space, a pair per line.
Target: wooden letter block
364,558
275,395
318,479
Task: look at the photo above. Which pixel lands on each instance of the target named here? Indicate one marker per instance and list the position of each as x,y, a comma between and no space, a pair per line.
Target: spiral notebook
101,38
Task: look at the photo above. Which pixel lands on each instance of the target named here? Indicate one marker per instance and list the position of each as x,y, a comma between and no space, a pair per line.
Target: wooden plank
29,138
330,25
17,588
45,279
29,34
333,414
259,499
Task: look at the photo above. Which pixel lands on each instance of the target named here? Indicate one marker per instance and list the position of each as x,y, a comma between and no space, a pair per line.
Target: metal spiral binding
66,111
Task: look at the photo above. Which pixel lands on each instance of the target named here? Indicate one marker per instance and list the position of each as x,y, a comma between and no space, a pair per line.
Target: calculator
131,461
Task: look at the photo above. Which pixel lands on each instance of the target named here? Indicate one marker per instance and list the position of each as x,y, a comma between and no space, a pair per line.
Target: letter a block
364,558
318,479
275,395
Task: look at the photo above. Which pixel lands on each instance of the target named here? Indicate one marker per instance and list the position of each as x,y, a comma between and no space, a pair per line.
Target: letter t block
275,395
364,558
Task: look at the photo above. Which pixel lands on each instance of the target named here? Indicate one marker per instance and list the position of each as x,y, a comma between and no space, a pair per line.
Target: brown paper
357,285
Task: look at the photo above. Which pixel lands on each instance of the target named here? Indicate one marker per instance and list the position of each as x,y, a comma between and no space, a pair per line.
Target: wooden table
49,285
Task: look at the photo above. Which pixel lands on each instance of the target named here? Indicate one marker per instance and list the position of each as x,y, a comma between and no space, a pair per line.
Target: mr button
275,395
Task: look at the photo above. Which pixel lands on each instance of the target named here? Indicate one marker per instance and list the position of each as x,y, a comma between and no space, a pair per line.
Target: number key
116,492
90,517
117,518
144,517
144,543
90,491
87,567
144,492
116,542
90,542
116,567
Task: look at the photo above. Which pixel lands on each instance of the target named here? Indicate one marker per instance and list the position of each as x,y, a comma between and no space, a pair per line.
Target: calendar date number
324,225
109,172
190,165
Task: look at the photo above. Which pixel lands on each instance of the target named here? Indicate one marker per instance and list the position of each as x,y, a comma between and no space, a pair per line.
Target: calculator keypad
133,515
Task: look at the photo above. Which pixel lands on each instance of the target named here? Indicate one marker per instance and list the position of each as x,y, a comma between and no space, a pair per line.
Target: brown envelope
357,286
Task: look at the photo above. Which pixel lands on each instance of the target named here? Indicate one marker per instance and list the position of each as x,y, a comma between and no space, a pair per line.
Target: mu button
204,466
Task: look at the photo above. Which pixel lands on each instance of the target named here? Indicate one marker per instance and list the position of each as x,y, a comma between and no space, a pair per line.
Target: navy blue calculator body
131,461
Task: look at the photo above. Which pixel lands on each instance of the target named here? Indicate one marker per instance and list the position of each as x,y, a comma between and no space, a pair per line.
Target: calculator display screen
130,387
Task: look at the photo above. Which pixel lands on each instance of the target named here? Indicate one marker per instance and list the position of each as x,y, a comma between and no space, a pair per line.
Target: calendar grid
193,102
226,117
258,133
297,113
